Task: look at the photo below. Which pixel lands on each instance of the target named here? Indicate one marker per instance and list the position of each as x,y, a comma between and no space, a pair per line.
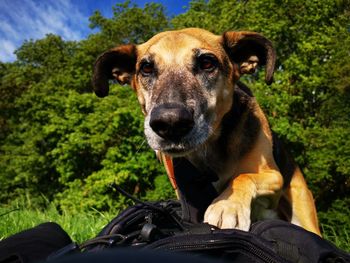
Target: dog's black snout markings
171,121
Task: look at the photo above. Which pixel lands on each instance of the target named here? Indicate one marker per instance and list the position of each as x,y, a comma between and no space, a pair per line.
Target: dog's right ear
117,63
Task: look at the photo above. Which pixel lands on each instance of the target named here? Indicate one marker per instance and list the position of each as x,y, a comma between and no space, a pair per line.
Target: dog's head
184,81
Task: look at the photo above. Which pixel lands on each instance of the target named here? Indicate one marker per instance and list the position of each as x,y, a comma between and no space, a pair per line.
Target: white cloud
33,19
6,50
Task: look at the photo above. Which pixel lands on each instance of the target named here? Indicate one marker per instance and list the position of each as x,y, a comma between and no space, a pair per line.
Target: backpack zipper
212,244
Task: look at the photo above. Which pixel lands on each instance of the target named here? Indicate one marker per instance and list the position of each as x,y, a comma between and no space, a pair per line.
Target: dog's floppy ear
117,63
248,50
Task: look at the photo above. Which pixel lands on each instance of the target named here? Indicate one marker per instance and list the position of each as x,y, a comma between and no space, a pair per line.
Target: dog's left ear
117,63
249,50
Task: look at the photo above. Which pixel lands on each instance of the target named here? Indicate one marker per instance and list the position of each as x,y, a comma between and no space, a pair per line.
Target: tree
131,24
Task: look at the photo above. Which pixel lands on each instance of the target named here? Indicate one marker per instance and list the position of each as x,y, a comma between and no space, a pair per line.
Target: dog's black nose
171,121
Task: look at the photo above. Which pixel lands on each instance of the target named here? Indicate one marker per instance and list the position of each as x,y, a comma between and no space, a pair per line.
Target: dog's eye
147,68
207,63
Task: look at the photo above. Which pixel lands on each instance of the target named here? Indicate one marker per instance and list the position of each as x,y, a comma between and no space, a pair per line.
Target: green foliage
48,54
75,146
162,190
131,24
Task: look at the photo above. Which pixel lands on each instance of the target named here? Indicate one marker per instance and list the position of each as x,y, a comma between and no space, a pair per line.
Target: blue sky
32,19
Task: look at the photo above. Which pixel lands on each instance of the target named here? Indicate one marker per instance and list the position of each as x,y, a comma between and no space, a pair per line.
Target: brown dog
195,107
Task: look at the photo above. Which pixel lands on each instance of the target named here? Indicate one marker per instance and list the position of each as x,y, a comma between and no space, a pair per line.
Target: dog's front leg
232,209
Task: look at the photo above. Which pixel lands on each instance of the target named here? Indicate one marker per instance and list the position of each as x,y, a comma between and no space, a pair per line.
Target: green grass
339,236
79,226
83,226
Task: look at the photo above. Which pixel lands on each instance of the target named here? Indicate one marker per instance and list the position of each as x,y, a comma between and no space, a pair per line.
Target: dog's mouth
172,149
180,146
177,150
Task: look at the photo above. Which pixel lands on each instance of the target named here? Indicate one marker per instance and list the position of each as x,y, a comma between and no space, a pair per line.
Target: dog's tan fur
252,185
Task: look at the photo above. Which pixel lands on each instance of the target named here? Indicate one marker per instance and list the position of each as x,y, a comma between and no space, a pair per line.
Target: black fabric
296,244
267,241
33,244
127,255
195,189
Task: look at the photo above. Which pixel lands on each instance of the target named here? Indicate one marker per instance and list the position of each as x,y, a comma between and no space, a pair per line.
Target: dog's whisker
140,147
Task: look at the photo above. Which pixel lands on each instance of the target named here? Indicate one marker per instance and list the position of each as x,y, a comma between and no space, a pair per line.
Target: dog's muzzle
171,121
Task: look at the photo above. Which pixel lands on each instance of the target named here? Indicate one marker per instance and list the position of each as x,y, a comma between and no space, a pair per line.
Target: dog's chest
209,162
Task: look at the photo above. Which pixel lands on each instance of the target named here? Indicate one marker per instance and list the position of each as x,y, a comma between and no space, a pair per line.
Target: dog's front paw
228,214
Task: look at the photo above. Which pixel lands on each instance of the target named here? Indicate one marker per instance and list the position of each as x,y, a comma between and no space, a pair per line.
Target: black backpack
158,226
